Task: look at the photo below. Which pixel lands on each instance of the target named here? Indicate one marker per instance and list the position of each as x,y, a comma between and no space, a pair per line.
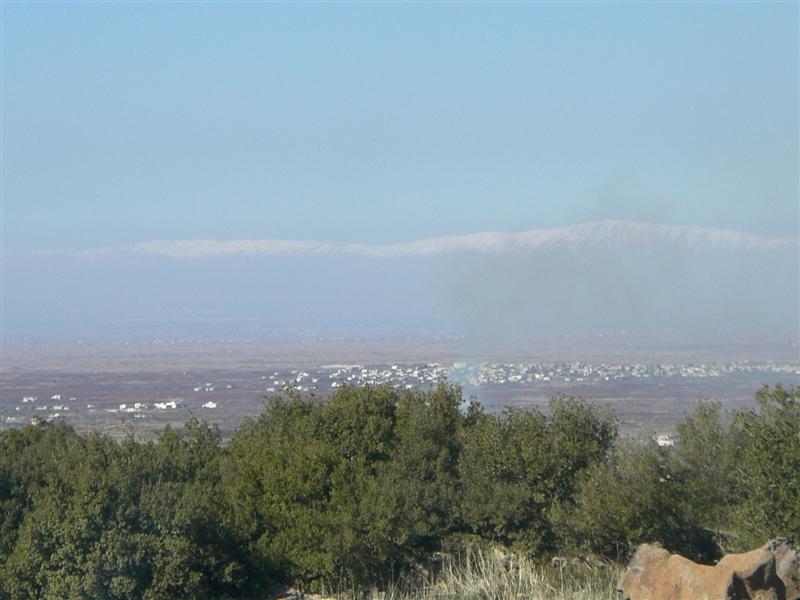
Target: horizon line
610,231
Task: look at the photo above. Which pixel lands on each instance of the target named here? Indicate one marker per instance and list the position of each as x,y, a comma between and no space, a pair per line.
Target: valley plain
138,388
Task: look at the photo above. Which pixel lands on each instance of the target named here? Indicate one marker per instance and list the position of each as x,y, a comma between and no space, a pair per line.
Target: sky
380,123
200,168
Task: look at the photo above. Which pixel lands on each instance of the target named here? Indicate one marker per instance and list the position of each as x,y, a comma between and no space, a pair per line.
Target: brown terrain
90,382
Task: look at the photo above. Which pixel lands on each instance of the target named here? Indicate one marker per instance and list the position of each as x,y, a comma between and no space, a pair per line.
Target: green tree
707,456
770,466
519,468
349,490
127,520
638,496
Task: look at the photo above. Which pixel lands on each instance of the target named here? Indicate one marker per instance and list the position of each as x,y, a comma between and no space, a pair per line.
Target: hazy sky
378,123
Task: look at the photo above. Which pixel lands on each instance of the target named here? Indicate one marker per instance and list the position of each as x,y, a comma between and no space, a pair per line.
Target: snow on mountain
609,276
610,234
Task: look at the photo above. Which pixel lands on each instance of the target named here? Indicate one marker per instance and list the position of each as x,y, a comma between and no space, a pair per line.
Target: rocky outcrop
768,573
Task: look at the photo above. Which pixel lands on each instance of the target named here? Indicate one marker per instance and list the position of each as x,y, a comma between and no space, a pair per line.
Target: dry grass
490,575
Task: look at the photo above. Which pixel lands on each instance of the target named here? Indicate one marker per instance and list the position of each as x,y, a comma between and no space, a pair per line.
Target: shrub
770,467
356,491
517,467
635,497
126,520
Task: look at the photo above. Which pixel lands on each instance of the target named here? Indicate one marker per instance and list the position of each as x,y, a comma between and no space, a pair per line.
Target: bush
770,467
518,467
355,491
731,483
130,520
637,496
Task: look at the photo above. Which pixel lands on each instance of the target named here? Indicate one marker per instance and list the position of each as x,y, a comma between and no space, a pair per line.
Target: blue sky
380,123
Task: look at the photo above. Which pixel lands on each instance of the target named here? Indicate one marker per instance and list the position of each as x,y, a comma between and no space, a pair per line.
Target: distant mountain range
588,235
606,276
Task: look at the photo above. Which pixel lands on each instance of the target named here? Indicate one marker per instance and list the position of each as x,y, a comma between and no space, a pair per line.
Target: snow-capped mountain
611,275
589,235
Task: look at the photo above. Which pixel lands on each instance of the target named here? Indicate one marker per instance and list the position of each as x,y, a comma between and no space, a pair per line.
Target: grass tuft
486,574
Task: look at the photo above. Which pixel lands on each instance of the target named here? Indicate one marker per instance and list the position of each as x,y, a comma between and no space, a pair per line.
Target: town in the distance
645,395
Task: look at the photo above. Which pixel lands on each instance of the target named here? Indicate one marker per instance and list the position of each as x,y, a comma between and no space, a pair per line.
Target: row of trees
373,482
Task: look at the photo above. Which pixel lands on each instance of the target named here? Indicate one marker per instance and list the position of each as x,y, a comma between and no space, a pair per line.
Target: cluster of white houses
582,372
329,377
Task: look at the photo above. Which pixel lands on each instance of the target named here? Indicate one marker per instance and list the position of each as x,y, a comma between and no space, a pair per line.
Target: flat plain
123,389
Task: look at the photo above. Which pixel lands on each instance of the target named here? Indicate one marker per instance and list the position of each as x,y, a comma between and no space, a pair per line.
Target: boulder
787,559
768,573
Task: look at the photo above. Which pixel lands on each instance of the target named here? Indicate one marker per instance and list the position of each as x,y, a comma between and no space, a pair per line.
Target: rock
788,563
767,573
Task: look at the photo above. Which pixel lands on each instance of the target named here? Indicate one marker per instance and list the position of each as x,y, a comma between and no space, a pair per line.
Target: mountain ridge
608,233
